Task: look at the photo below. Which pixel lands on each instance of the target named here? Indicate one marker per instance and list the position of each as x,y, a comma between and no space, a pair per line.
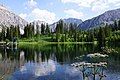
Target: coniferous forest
62,33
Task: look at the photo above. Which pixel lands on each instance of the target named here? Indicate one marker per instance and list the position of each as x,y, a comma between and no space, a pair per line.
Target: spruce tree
3,33
47,31
42,29
115,25
101,36
57,32
11,32
119,24
37,31
8,33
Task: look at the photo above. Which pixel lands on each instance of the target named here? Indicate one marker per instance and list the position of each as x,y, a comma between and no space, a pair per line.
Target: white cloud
113,1
31,4
23,15
42,15
35,13
74,14
117,5
39,69
99,6
95,5
83,3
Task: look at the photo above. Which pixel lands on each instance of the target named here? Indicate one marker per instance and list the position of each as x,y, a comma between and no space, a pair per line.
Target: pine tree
47,31
37,31
71,30
16,32
57,32
101,36
75,36
57,28
8,33
115,25
32,30
42,29
61,26
119,24
11,32
26,31
3,33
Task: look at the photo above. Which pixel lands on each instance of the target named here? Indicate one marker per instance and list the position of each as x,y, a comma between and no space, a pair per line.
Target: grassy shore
45,43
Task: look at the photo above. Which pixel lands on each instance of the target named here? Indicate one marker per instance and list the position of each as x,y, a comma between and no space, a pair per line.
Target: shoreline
57,42
44,42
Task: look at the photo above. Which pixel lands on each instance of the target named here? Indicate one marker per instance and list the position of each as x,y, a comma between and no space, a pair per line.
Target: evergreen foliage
63,33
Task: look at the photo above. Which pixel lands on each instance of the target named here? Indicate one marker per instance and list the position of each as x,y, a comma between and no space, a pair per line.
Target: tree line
64,32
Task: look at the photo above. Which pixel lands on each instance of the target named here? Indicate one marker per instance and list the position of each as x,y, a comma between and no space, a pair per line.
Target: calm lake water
53,62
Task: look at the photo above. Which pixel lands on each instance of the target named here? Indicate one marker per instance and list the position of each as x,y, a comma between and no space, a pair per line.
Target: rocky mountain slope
107,17
67,22
73,20
8,18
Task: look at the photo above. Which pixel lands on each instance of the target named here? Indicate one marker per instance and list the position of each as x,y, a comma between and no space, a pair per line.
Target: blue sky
53,10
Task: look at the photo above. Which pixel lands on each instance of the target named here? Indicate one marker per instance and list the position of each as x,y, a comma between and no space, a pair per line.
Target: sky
52,10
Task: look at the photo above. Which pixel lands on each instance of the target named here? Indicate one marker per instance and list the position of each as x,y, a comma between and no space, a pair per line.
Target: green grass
47,40
45,43
44,39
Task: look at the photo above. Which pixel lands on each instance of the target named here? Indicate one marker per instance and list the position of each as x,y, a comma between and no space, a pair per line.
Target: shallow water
53,62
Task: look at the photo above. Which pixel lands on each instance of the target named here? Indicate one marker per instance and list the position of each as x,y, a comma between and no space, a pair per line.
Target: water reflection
52,62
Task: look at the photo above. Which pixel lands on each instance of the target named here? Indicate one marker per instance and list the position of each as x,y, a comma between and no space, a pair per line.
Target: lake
54,62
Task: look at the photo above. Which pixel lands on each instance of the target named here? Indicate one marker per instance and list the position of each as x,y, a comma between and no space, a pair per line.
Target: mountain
72,20
67,22
8,18
107,17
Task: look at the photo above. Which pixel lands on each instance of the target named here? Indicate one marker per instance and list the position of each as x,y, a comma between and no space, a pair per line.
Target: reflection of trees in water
9,63
13,59
7,66
62,52
91,70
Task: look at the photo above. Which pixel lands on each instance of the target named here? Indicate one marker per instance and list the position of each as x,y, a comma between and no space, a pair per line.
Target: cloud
42,69
31,4
74,14
23,15
35,13
99,6
42,15
113,1
83,3
39,14
117,5
95,5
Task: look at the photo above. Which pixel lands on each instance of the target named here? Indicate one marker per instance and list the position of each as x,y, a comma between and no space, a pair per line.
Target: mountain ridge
107,17
8,18
66,21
